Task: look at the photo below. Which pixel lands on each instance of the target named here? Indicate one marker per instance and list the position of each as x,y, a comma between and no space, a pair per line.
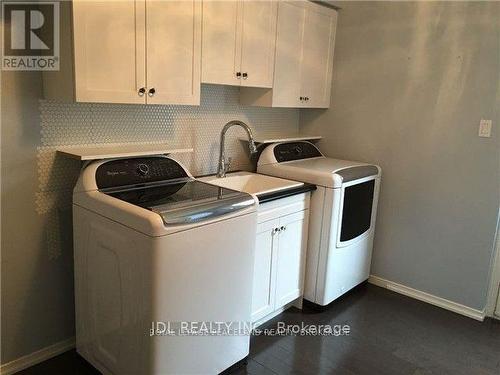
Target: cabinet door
173,51
109,43
291,257
221,50
258,43
264,280
317,61
290,28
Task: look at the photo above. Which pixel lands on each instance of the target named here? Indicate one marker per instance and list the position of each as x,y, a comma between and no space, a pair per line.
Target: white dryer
152,244
342,215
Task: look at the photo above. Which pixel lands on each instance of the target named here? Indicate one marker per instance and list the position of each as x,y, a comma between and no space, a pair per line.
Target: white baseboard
429,298
37,357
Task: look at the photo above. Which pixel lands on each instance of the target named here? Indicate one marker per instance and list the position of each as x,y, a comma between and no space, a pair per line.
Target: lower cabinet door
290,260
264,282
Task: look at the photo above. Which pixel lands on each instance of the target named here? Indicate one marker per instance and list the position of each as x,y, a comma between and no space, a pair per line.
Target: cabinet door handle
245,75
141,91
151,92
278,230
238,75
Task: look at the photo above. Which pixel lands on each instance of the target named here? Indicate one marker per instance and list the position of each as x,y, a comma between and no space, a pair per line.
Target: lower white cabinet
280,252
292,242
264,284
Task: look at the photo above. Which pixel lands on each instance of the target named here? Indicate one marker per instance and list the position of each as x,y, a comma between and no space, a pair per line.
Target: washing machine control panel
295,151
134,171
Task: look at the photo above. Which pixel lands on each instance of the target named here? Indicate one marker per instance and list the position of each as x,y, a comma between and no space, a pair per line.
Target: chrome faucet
223,163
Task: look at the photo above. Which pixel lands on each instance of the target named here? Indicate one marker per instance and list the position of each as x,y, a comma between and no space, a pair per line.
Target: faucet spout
223,164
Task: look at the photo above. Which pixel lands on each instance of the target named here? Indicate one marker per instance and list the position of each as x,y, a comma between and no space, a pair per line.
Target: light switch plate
485,128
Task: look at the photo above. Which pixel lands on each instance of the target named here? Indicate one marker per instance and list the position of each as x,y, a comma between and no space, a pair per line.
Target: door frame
494,287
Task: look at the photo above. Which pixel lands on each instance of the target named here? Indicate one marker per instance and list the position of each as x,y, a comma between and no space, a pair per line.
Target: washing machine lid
160,185
184,201
302,161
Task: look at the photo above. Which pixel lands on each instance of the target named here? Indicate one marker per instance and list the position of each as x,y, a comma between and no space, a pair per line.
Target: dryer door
357,207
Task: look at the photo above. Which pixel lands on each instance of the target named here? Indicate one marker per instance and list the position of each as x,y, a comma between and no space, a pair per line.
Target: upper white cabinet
159,52
304,58
219,42
317,56
139,52
238,46
107,55
173,51
258,37
287,82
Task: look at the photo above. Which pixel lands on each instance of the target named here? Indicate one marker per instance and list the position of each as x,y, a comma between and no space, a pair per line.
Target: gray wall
411,82
37,296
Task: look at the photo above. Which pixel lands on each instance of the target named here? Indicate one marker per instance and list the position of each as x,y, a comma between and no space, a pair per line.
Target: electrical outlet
485,128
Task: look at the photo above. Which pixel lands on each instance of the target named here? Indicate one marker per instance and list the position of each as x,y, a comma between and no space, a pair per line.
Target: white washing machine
342,215
154,245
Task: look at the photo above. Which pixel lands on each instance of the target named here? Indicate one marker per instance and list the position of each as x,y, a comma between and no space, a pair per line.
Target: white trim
429,298
36,357
493,291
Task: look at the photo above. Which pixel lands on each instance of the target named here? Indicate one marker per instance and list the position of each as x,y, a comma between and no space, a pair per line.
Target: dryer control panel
123,172
295,151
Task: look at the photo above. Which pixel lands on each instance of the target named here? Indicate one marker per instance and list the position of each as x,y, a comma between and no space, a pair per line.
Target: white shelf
119,151
280,137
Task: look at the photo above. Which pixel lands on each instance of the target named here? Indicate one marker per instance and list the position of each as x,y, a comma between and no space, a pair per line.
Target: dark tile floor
390,334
